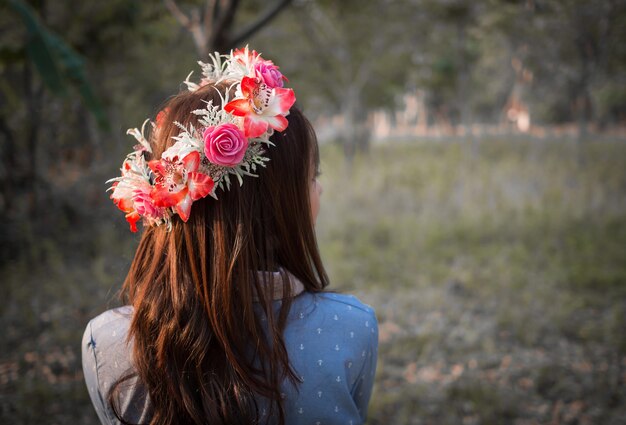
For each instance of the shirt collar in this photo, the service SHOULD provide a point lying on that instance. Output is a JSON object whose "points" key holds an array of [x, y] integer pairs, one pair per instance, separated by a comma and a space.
{"points": [[281, 279]]}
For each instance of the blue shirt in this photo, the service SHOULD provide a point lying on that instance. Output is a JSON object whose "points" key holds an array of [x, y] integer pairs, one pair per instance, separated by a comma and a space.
{"points": [[332, 341]]}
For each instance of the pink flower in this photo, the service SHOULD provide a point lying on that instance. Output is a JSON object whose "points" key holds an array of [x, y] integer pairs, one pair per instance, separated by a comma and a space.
{"points": [[178, 184], [144, 204], [261, 106], [269, 73], [224, 144]]}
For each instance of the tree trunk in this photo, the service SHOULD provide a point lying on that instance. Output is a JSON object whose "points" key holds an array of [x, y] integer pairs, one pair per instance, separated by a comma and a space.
{"points": [[583, 101], [350, 121], [582, 106], [212, 28], [7, 181], [33, 106], [363, 130], [463, 80]]}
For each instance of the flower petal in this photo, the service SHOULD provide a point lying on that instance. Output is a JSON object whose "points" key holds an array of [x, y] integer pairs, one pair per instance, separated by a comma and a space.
{"points": [[164, 198], [124, 204], [200, 185], [278, 122], [238, 107], [281, 101], [191, 161], [177, 150], [254, 125], [132, 218], [121, 197], [183, 208], [157, 166], [248, 85]]}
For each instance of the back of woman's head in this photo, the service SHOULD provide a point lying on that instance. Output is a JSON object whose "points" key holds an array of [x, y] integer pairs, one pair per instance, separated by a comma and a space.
{"points": [[199, 348]]}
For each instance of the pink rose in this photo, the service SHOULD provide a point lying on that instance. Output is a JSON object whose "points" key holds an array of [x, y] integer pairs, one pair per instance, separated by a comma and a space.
{"points": [[224, 144], [269, 73]]}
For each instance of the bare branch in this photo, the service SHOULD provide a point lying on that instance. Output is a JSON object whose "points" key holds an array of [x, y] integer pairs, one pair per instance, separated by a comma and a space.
{"points": [[210, 11], [178, 14], [269, 14], [332, 88], [193, 25], [211, 27], [222, 22]]}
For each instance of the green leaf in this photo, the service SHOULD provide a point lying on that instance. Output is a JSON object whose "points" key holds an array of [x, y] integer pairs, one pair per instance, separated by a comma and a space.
{"points": [[38, 51], [57, 63]]}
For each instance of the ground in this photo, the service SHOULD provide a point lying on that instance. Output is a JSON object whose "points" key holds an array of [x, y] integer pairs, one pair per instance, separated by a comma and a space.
{"points": [[497, 270]]}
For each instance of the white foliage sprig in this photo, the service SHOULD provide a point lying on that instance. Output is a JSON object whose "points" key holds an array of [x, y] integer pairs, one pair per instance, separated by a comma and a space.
{"points": [[213, 115], [139, 136]]}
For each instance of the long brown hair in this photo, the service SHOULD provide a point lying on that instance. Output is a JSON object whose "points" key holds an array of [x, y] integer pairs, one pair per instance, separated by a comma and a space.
{"points": [[199, 348]]}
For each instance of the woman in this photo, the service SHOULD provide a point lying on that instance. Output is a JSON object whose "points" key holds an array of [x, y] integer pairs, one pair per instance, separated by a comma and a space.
{"points": [[227, 319]]}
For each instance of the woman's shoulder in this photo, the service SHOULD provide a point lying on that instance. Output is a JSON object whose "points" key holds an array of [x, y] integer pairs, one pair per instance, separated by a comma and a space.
{"points": [[117, 315], [112, 324], [341, 314], [105, 341], [332, 342], [345, 301], [343, 307], [106, 359]]}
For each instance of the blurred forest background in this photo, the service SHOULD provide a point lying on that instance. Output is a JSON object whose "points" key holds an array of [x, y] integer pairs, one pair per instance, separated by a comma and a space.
{"points": [[474, 160]]}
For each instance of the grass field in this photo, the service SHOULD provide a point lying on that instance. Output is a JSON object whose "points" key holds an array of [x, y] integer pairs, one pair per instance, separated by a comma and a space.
{"points": [[498, 275]]}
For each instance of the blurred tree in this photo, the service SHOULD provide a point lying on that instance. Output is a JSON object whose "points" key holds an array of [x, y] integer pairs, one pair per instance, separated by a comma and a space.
{"points": [[483, 61], [506, 31], [451, 54], [51, 147], [56, 62], [581, 47], [57, 67], [212, 25], [356, 58], [562, 61], [460, 16]]}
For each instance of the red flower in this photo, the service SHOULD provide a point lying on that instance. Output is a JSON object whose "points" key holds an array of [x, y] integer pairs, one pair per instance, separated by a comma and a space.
{"points": [[261, 106], [178, 184], [132, 218], [121, 200], [131, 215]]}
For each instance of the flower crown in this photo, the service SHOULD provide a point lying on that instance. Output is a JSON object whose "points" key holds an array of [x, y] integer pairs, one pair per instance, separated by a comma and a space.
{"points": [[231, 140]]}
